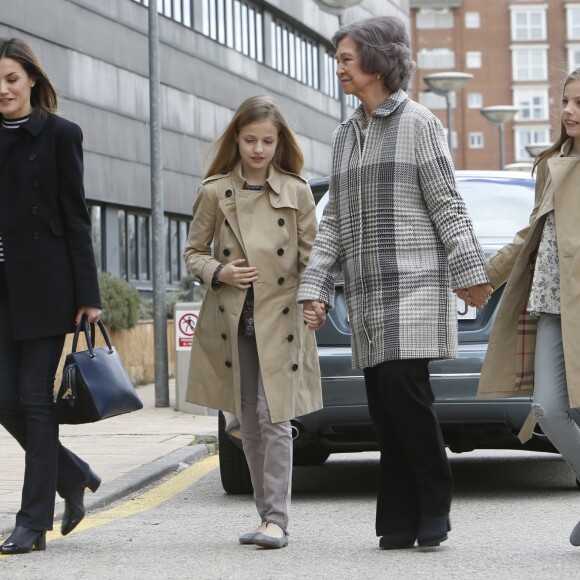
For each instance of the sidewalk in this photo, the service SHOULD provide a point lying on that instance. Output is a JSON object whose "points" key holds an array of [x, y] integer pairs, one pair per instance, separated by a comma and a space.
{"points": [[127, 452]]}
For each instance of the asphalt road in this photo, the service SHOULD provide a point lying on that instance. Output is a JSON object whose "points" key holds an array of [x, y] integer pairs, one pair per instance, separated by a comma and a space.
{"points": [[511, 519]]}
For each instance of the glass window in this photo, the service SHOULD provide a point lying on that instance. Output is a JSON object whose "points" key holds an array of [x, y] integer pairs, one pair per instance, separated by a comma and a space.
{"points": [[526, 136], [436, 58], [472, 20], [96, 213], [528, 24], [573, 58], [144, 253], [473, 59], [533, 104], [573, 22], [530, 64], [476, 140], [430, 18], [122, 220], [474, 100], [132, 246]]}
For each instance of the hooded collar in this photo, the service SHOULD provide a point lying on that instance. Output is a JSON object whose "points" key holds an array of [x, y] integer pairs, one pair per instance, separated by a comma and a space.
{"points": [[273, 180]]}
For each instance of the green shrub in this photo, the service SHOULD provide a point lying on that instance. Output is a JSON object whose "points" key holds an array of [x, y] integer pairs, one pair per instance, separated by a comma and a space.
{"points": [[121, 302]]}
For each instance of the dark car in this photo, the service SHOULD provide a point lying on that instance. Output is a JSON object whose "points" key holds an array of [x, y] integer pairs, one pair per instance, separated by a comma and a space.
{"points": [[499, 204]]}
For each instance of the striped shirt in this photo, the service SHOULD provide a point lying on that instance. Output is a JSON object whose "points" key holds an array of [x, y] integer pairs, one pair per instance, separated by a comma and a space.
{"points": [[11, 124]]}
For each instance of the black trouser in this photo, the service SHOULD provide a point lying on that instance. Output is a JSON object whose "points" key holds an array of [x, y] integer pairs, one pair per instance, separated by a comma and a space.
{"points": [[27, 370], [415, 477]]}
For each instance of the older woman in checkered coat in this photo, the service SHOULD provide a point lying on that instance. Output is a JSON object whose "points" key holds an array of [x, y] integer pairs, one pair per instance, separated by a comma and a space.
{"points": [[397, 228]]}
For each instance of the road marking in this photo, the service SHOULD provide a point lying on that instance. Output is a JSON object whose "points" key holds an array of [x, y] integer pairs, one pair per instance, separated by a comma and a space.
{"points": [[150, 499]]}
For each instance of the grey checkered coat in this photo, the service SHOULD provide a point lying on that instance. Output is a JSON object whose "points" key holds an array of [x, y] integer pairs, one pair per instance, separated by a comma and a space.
{"points": [[397, 227]]}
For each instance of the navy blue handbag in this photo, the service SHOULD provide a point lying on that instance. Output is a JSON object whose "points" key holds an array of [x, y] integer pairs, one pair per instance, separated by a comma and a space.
{"points": [[95, 384]]}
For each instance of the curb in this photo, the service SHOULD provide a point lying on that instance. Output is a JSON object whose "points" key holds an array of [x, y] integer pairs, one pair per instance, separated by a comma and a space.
{"points": [[133, 481]]}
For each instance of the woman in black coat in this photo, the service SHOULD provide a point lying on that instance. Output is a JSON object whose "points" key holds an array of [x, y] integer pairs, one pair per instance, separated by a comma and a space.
{"points": [[48, 280]]}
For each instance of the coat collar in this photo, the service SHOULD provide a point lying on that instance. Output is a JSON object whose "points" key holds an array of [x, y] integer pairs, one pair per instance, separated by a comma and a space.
{"points": [[274, 179], [384, 109], [36, 123], [566, 147]]}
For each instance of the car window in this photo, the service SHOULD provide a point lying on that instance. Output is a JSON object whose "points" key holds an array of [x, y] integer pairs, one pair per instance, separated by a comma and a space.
{"points": [[498, 207]]}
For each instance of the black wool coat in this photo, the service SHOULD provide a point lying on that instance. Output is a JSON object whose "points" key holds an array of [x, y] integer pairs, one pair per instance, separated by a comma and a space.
{"points": [[45, 227]]}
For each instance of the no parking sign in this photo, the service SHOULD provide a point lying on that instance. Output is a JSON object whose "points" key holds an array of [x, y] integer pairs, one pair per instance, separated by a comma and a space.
{"points": [[185, 321]]}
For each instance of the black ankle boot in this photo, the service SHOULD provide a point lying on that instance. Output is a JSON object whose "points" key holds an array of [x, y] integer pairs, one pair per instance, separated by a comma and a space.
{"points": [[23, 540], [433, 530], [398, 541], [74, 504]]}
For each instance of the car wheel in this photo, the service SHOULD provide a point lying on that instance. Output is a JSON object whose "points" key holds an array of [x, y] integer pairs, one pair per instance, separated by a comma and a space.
{"points": [[234, 471], [310, 456]]}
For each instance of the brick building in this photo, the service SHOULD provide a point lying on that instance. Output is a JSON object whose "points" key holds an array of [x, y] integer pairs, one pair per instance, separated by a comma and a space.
{"points": [[518, 52]]}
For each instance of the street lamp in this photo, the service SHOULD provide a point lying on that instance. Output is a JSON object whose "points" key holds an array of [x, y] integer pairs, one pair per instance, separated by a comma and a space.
{"points": [[499, 115], [337, 7], [534, 149], [444, 84]]}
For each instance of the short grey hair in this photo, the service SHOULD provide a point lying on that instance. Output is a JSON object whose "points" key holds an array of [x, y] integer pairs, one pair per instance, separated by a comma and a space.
{"points": [[384, 48]]}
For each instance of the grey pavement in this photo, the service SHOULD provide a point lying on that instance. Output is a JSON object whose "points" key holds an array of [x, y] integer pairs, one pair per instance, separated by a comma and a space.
{"points": [[127, 452]]}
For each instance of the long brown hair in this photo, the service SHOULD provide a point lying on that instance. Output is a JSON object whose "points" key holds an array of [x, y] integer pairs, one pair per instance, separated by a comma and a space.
{"points": [[573, 76], [42, 95], [226, 155]]}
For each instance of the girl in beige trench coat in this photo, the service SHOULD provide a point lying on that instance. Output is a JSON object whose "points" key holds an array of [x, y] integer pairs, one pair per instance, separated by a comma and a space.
{"points": [[252, 354], [535, 342]]}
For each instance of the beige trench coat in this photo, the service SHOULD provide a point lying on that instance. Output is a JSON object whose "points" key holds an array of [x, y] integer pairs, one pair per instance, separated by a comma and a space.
{"points": [[509, 363], [273, 230]]}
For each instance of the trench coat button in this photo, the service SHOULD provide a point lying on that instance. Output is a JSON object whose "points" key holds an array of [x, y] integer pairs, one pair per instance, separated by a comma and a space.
{"points": [[228, 193], [286, 310], [226, 252], [228, 364], [224, 336], [281, 280], [227, 223], [34, 210], [35, 236], [35, 183], [290, 337], [294, 367], [281, 222], [280, 252], [32, 156], [221, 308]]}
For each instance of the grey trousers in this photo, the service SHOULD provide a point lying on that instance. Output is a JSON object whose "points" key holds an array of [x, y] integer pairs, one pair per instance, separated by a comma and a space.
{"points": [[551, 403], [267, 446]]}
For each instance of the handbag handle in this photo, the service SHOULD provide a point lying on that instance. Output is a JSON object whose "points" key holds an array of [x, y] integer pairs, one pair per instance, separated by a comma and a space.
{"points": [[90, 336]]}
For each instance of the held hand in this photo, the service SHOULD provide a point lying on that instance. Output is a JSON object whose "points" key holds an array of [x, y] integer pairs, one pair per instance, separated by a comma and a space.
{"points": [[475, 295], [237, 275], [314, 314], [463, 294], [93, 314]]}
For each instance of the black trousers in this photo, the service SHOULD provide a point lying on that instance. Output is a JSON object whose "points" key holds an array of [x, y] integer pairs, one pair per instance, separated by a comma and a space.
{"points": [[27, 371], [415, 477]]}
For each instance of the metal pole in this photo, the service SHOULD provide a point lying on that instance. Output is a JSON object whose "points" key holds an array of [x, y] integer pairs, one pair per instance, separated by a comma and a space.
{"points": [[501, 147], [157, 225], [449, 123]]}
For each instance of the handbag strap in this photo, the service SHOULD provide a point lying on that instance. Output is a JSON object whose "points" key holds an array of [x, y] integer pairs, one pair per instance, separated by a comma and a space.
{"points": [[90, 336]]}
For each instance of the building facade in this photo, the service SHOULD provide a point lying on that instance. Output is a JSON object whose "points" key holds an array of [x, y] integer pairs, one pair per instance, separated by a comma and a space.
{"points": [[518, 51], [213, 55]]}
